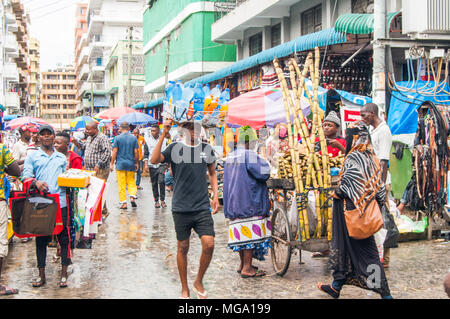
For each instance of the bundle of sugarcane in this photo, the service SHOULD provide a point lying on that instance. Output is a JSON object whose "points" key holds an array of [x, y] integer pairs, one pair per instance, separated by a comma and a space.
{"points": [[310, 170], [337, 161]]}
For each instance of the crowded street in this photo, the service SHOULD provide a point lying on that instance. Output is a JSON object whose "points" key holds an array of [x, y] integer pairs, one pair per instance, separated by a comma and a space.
{"points": [[225, 150], [134, 257]]}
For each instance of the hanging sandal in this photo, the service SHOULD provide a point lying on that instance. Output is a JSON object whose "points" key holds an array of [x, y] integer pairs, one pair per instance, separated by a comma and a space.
{"points": [[63, 282], [39, 282], [329, 290]]}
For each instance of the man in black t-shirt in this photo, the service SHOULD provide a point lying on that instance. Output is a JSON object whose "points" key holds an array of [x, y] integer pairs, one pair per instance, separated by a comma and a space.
{"points": [[190, 160]]}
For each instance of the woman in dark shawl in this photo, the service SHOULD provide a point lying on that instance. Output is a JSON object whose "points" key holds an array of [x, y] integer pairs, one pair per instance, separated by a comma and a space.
{"points": [[356, 262]]}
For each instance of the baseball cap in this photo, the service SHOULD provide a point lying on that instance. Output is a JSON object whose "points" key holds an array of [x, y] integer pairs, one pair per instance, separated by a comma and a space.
{"points": [[46, 127], [29, 127]]}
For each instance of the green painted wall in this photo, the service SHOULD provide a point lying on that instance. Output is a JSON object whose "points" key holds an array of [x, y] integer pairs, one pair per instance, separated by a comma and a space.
{"points": [[193, 44]]}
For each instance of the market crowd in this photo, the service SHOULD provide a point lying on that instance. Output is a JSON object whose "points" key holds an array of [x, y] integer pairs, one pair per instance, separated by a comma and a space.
{"points": [[184, 164]]}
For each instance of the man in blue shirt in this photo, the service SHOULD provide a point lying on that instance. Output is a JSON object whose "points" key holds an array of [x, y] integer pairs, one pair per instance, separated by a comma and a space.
{"points": [[45, 164], [125, 154]]}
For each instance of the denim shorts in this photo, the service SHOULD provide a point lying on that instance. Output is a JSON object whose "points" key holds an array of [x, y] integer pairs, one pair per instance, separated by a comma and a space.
{"points": [[202, 222]]}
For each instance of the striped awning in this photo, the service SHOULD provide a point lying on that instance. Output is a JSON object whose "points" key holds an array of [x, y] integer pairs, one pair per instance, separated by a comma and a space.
{"points": [[303, 43], [358, 23]]}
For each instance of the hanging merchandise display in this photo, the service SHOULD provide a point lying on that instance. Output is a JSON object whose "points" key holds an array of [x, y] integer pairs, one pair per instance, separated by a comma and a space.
{"points": [[196, 103], [250, 80], [427, 190]]}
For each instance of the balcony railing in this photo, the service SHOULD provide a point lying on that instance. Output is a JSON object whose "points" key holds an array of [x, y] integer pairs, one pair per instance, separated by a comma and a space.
{"points": [[221, 9]]}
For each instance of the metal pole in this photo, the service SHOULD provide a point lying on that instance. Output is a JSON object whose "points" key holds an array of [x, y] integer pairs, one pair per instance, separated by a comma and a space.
{"points": [[166, 68], [130, 61], [379, 32], [92, 90]]}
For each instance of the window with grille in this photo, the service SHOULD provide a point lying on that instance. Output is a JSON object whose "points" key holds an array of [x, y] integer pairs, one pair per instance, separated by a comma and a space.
{"points": [[312, 20], [276, 35], [255, 44]]}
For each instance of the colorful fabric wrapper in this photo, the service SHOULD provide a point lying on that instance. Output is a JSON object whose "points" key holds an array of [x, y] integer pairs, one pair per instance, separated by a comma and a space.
{"points": [[250, 233]]}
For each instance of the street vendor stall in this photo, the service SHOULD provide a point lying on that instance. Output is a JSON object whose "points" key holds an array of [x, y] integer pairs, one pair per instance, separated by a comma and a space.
{"points": [[86, 201]]}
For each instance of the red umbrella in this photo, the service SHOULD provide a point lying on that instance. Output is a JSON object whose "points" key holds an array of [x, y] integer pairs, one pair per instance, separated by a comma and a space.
{"points": [[114, 113], [13, 124]]}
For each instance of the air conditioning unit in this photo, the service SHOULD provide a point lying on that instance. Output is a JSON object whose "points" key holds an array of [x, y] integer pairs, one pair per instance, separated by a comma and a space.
{"points": [[426, 18]]}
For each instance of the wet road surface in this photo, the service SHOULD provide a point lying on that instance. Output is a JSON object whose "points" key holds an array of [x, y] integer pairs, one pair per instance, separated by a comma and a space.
{"points": [[134, 256]]}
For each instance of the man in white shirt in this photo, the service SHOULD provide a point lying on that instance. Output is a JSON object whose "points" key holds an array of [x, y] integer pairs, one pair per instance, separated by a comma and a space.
{"points": [[19, 151], [381, 137], [157, 171]]}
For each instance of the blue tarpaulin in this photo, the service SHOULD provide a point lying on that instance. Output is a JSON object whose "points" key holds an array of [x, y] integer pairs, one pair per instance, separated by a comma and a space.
{"points": [[403, 117]]}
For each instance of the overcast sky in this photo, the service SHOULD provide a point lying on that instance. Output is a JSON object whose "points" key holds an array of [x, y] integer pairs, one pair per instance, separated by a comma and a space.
{"points": [[53, 24]]}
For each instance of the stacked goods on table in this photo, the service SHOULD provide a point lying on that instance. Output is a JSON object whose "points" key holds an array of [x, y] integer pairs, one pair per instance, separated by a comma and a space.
{"points": [[75, 178], [310, 170], [196, 103]]}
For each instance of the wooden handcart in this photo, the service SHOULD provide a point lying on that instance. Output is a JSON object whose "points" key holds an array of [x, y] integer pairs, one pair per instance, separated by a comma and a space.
{"points": [[284, 234]]}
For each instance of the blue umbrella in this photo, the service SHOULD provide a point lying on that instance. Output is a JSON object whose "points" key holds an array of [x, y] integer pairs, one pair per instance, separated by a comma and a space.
{"points": [[137, 118]]}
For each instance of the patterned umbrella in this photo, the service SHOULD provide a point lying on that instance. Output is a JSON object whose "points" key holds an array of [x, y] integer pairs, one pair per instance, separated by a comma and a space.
{"points": [[80, 122], [13, 124]]}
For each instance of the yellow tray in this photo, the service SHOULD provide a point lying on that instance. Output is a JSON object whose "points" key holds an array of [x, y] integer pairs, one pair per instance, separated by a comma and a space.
{"points": [[74, 182]]}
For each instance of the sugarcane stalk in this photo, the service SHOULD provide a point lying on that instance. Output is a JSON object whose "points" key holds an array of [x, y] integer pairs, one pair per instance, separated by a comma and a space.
{"points": [[287, 106]]}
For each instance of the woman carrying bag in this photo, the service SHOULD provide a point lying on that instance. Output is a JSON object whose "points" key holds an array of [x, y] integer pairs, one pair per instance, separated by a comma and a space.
{"points": [[357, 204]]}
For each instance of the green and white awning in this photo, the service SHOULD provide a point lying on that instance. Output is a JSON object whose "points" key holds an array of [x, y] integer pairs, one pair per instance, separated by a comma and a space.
{"points": [[357, 23]]}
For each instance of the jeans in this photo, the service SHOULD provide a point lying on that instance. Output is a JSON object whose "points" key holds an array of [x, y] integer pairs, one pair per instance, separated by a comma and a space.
{"points": [[139, 173], [63, 240], [158, 183]]}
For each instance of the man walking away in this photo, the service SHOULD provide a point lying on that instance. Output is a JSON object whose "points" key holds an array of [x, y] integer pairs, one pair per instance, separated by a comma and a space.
{"points": [[125, 152], [157, 176], [97, 154], [381, 137], [141, 142], [190, 161], [10, 166], [45, 165]]}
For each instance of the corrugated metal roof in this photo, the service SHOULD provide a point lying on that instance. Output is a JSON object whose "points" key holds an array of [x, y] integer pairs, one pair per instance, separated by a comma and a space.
{"points": [[358, 23], [149, 104], [303, 43]]}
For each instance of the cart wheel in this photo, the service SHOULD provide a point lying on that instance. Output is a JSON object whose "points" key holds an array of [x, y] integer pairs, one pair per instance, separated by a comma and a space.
{"points": [[281, 239]]}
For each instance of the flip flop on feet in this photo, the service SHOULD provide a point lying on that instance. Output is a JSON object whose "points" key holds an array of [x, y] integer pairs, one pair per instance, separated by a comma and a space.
{"points": [[200, 295], [6, 291], [258, 273], [39, 282], [133, 204], [239, 270], [63, 282], [157, 205], [163, 204], [329, 290], [123, 206]]}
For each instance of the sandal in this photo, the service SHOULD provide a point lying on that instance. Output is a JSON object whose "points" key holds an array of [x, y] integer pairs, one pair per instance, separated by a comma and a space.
{"points": [[239, 271], [55, 258], [6, 291], [258, 273], [133, 204], [124, 206], [328, 290], [38, 283], [63, 282], [200, 295], [157, 205], [163, 205]]}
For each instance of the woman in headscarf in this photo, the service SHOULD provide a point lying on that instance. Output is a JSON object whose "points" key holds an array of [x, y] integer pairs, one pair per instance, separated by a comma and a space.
{"points": [[356, 262], [246, 203]]}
